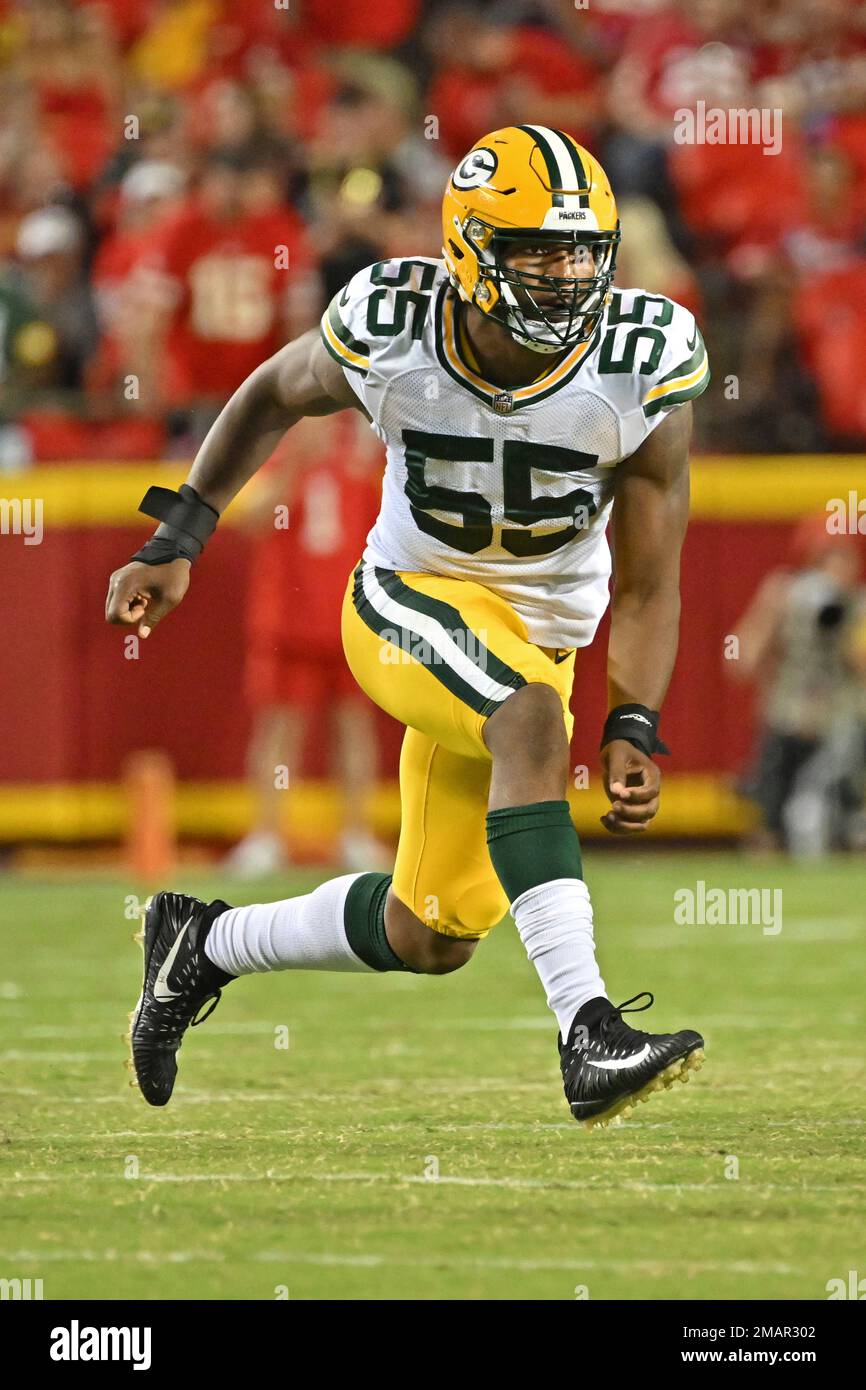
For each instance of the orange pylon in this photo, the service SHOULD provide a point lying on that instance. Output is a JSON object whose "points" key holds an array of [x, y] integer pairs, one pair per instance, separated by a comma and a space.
{"points": [[151, 840]]}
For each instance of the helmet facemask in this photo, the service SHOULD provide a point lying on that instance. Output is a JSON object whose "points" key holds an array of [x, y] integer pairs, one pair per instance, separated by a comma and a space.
{"points": [[546, 313]]}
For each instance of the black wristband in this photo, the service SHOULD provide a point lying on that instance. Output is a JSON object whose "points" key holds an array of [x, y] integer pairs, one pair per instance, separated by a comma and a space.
{"points": [[186, 523], [159, 550], [637, 725]]}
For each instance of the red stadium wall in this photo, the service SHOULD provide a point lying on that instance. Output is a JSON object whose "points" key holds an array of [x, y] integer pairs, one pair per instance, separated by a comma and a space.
{"points": [[74, 706], [89, 705]]}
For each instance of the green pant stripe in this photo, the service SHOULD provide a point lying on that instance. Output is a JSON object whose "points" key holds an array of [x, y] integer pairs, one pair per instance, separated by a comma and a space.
{"points": [[451, 619], [414, 645]]}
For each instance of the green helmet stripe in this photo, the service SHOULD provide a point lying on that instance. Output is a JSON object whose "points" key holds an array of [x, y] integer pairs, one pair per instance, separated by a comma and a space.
{"points": [[553, 174], [579, 171]]}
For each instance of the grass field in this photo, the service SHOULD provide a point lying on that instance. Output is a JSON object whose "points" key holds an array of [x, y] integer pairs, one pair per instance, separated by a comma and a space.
{"points": [[305, 1168]]}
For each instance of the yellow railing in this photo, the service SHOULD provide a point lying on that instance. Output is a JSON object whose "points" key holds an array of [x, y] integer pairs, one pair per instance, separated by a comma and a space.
{"points": [[756, 487]]}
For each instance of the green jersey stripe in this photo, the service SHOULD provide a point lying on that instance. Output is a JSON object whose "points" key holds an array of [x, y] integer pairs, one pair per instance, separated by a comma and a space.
{"points": [[343, 361], [678, 397], [343, 333], [690, 363]]}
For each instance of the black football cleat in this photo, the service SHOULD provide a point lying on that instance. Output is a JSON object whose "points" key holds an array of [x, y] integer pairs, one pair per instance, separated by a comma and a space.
{"points": [[178, 980], [607, 1067]]}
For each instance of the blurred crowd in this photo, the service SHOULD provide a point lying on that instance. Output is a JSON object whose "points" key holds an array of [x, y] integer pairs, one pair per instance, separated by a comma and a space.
{"points": [[185, 183]]}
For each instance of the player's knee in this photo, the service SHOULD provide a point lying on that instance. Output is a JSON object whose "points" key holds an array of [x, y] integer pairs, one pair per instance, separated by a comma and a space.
{"points": [[530, 724], [418, 945], [443, 954]]}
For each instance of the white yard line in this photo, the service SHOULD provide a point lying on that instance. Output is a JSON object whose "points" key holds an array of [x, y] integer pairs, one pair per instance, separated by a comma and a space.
{"points": [[115, 1055], [586, 1186], [664, 938], [300, 1134], [113, 1026], [520, 1024], [380, 1088], [16, 1258]]}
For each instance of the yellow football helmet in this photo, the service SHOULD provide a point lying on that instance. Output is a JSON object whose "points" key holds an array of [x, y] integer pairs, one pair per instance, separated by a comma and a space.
{"points": [[530, 182]]}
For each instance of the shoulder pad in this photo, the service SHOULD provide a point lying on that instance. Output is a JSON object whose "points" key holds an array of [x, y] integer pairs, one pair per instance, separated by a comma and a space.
{"points": [[386, 305], [657, 345]]}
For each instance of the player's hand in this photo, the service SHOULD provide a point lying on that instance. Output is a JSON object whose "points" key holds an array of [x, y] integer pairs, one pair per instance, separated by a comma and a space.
{"points": [[143, 594], [632, 782]]}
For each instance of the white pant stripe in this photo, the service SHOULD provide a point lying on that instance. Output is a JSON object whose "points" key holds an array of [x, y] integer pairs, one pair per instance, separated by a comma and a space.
{"points": [[432, 632]]}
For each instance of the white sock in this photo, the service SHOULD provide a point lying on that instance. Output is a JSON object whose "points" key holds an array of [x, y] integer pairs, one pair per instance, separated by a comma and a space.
{"points": [[305, 933], [554, 922]]}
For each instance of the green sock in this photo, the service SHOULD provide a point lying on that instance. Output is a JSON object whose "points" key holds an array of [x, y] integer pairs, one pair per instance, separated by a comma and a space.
{"points": [[364, 920], [530, 845]]}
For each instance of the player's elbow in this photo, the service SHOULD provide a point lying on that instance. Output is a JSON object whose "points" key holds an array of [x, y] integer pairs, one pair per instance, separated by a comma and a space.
{"points": [[648, 593]]}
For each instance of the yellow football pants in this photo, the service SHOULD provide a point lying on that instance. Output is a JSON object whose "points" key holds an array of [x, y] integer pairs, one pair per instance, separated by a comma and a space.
{"points": [[441, 655]]}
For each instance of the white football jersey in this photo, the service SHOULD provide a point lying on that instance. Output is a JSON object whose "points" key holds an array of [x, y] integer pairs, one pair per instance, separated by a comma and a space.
{"points": [[511, 488]]}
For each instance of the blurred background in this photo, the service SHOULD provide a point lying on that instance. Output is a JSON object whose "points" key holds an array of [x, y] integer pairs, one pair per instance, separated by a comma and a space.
{"points": [[183, 186]]}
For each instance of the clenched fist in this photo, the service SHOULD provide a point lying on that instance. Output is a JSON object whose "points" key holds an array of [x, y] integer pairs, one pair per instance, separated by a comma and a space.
{"points": [[632, 782], [143, 594]]}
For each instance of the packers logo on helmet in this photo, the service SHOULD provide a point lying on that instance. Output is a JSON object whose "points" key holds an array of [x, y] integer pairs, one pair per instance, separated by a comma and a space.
{"points": [[477, 168], [530, 185]]}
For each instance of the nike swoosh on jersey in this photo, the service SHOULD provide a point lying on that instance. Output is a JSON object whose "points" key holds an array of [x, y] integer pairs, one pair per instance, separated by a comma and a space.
{"points": [[619, 1063], [161, 990]]}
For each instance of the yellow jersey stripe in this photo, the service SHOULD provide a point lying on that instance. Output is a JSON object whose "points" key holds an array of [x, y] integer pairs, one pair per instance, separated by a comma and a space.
{"points": [[353, 359], [680, 383]]}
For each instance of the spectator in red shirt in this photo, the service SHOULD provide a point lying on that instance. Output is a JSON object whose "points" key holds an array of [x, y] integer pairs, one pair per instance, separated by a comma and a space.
{"points": [[693, 50], [73, 77], [492, 75], [311, 507], [149, 195], [382, 25], [228, 283]]}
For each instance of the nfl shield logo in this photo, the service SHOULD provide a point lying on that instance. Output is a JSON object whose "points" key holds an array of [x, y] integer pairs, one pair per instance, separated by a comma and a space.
{"points": [[503, 403]]}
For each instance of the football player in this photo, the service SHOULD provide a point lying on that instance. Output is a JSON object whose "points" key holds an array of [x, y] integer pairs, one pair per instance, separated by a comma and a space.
{"points": [[523, 403]]}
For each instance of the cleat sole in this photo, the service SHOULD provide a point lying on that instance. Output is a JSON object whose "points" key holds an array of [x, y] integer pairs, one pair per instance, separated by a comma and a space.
{"points": [[138, 939], [678, 1070]]}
